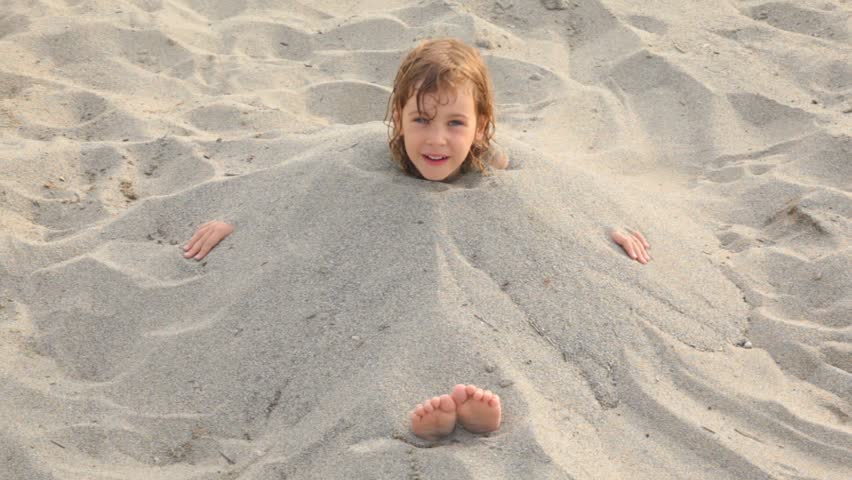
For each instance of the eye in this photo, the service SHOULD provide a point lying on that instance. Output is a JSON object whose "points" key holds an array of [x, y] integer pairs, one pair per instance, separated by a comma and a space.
{"points": [[421, 120], [456, 123]]}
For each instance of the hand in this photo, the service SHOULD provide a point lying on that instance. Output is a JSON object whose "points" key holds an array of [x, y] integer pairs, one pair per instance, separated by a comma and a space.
{"points": [[496, 158], [499, 161], [206, 237], [633, 243]]}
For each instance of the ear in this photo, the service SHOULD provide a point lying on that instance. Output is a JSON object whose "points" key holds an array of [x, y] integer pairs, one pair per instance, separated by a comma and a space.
{"points": [[396, 118]]}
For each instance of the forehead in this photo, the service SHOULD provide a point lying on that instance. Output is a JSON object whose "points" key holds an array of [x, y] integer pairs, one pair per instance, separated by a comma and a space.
{"points": [[459, 98]]}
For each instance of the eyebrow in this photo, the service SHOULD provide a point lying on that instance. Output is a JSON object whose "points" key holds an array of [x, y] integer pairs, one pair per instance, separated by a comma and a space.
{"points": [[415, 113]]}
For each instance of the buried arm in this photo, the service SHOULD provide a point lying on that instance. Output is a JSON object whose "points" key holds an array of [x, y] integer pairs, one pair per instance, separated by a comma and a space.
{"points": [[205, 238], [633, 243], [496, 158]]}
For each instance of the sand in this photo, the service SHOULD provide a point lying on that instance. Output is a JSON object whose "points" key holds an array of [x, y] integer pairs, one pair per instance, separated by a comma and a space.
{"points": [[350, 292]]}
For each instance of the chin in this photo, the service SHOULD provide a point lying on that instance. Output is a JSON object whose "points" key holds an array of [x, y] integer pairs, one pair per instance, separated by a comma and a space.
{"points": [[435, 176]]}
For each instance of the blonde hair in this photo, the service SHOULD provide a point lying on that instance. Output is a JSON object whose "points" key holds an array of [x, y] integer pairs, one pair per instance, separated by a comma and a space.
{"points": [[432, 67]]}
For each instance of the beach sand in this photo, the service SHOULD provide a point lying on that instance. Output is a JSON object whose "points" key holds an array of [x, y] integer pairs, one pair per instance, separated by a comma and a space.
{"points": [[350, 292]]}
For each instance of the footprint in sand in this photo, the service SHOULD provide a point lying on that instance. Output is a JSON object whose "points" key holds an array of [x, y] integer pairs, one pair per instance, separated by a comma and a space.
{"points": [[378, 68], [217, 9], [370, 33], [725, 175], [150, 50], [61, 109], [671, 104], [742, 168], [149, 6], [835, 77], [166, 165], [230, 116], [12, 24], [520, 82], [268, 39], [348, 102], [649, 24], [839, 355], [792, 18], [773, 120]]}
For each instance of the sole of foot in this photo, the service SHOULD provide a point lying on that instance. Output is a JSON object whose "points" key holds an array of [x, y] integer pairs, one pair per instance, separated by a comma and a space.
{"points": [[434, 418], [477, 410]]}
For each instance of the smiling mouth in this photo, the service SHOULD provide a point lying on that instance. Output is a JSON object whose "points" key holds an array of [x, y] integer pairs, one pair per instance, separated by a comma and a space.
{"points": [[435, 158]]}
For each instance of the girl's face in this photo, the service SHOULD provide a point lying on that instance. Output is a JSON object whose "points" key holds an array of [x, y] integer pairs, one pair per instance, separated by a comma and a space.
{"points": [[438, 139]]}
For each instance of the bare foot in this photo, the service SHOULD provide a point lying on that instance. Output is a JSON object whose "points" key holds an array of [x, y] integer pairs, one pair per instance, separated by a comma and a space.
{"points": [[477, 410], [434, 418]]}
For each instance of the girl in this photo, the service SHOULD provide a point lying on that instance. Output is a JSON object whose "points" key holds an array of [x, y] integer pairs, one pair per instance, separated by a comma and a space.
{"points": [[441, 122]]}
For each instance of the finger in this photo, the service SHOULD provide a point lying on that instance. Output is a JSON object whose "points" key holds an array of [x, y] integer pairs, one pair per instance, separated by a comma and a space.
{"points": [[638, 250], [198, 234], [192, 249], [638, 234], [645, 254], [629, 248], [634, 248], [192, 240], [209, 242], [198, 245], [195, 246], [642, 255]]}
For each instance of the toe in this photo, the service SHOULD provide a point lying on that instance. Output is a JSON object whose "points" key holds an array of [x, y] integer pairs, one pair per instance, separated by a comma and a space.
{"points": [[419, 410], [447, 404], [487, 396], [427, 406], [459, 394], [495, 402], [477, 395], [470, 390], [436, 402]]}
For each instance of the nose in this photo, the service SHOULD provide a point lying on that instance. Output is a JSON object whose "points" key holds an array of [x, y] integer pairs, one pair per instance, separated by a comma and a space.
{"points": [[436, 135]]}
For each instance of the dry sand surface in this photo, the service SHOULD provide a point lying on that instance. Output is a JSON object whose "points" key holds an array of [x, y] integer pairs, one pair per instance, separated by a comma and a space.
{"points": [[350, 292]]}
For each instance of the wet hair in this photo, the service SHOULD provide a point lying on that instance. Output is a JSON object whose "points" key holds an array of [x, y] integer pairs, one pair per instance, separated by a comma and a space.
{"points": [[433, 67]]}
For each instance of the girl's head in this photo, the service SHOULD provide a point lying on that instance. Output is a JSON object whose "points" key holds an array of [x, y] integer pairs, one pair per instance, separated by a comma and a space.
{"points": [[441, 111]]}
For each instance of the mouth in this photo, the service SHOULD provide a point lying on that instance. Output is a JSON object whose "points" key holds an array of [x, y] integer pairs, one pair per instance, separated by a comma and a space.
{"points": [[435, 159]]}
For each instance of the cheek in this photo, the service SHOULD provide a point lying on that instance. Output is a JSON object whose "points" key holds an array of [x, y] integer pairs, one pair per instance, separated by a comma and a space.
{"points": [[410, 144], [409, 137], [464, 138]]}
